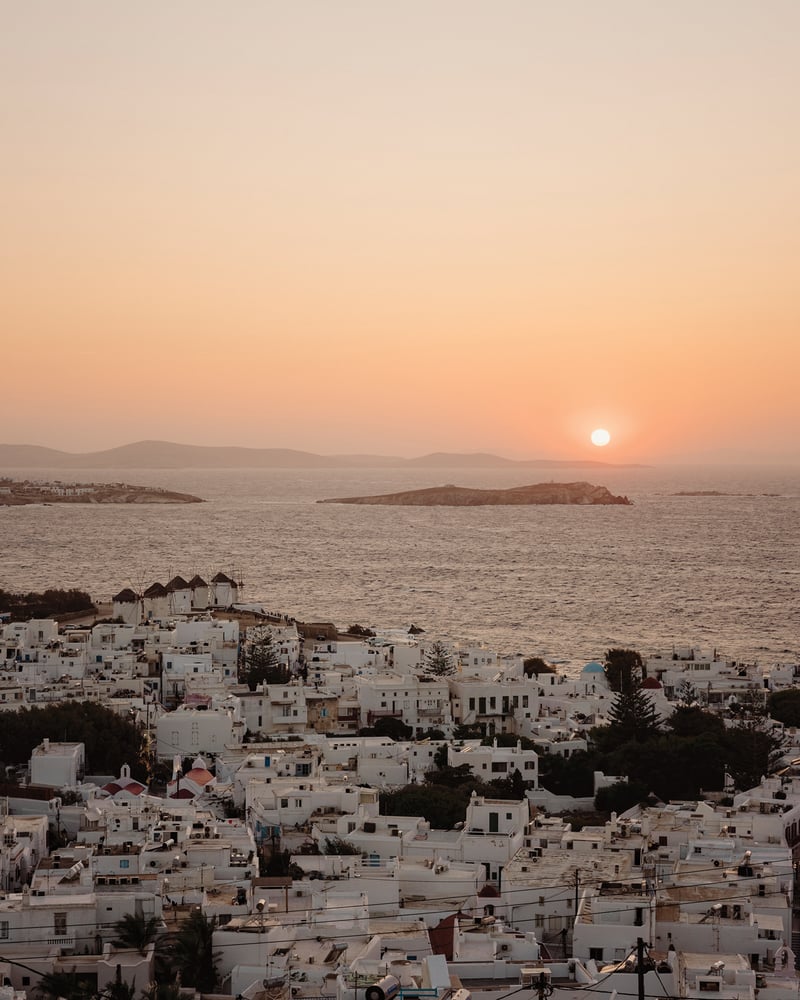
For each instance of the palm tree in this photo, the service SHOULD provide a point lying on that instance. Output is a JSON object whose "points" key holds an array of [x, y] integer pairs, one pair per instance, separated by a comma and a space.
{"points": [[136, 931], [64, 986], [118, 990], [161, 991], [193, 952]]}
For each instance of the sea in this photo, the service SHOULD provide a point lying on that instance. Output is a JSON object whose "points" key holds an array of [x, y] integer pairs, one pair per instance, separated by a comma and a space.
{"points": [[714, 572]]}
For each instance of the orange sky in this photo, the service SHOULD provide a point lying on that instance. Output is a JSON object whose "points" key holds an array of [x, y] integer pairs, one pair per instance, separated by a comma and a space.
{"points": [[401, 227]]}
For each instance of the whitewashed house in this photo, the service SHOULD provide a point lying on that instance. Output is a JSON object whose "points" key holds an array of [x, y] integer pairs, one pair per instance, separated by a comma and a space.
{"points": [[188, 732], [58, 765], [491, 762]]}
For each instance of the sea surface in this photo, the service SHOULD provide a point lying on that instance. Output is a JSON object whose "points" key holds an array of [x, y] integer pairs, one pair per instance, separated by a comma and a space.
{"points": [[714, 572]]}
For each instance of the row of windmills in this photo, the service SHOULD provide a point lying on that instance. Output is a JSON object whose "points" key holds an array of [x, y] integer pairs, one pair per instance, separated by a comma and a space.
{"points": [[178, 597]]}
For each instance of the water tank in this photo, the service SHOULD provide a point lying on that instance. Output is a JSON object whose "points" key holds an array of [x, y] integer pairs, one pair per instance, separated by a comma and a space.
{"points": [[383, 989]]}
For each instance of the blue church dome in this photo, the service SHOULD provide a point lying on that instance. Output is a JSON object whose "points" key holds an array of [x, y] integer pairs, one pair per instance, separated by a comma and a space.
{"points": [[593, 667]]}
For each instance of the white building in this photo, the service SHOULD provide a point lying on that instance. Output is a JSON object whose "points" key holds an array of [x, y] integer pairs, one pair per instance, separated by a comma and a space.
{"points": [[58, 765]]}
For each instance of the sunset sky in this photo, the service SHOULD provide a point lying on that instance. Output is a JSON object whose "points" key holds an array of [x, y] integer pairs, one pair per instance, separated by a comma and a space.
{"points": [[403, 227]]}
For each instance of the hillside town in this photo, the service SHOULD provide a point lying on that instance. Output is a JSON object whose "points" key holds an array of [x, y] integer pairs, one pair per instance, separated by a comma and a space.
{"points": [[250, 849]]}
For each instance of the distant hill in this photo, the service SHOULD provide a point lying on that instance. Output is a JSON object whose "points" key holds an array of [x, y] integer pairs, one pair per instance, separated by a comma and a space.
{"points": [[583, 494], [168, 455]]}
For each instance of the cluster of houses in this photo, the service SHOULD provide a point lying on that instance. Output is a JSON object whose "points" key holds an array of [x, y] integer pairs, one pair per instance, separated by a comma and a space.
{"points": [[678, 899]]}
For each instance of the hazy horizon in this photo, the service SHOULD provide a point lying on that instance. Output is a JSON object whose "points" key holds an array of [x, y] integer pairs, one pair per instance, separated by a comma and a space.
{"points": [[597, 458], [397, 229]]}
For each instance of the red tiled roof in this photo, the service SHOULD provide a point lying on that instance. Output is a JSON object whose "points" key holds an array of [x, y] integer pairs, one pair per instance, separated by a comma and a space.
{"points": [[199, 775]]}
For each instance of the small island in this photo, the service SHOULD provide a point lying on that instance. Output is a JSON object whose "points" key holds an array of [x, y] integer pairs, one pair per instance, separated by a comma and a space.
{"points": [[17, 493], [582, 494]]}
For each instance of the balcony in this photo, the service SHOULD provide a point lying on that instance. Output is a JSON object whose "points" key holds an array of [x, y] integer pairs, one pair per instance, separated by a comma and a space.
{"points": [[64, 941], [372, 716]]}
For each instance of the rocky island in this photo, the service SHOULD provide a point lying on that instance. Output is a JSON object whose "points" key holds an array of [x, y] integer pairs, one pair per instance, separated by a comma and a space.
{"points": [[584, 494], [15, 493]]}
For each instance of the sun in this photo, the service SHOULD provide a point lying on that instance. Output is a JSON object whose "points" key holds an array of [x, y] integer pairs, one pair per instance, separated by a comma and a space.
{"points": [[600, 437]]}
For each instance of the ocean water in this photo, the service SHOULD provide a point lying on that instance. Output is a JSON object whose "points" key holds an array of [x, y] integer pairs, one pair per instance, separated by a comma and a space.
{"points": [[718, 572]]}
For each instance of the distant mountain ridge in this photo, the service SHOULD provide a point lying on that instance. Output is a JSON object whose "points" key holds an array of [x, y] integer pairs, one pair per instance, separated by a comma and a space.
{"points": [[169, 455]]}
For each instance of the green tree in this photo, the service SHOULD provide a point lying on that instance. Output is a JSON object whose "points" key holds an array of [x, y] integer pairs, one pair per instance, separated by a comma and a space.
{"points": [[338, 845], [624, 669], [450, 776], [691, 720], [687, 693], [573, 775], [192, 952], [162, 991], [441, 805], [619, 796], [118, 989], [439, 660], [632, 718], [432, 734], [394, 728], [532, 666], [262, 663], [66, 985], [754, 744], [109, 739], [785, 706], [51, 603], [136, 931], [359, 630]]}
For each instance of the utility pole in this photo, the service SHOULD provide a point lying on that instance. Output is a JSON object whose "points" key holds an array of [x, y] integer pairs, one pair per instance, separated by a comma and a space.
{"points": [[576, 876], [640, 966], [543, 987]]}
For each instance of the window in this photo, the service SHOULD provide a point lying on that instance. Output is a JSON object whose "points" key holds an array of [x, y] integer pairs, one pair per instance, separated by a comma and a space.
{"points": [[3, 930], [59, 924], [124, 863], [499, 767], [284, 803], [472, 704], [538, 920], [596, 954]]}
